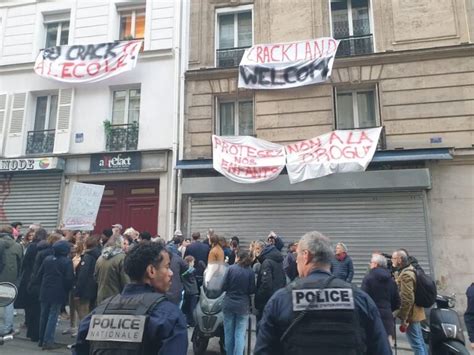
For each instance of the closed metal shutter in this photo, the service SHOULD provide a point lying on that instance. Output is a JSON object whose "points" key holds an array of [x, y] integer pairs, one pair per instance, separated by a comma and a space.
{"points": [[365, 222], [32, 198]]}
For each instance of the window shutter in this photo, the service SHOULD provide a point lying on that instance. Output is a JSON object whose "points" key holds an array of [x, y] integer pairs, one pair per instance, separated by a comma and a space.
{"points": [[63, 122], [17, 113], [3, 118], [64, 109]]}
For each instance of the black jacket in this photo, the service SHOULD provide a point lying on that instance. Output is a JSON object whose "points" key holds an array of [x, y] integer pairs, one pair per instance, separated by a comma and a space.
{"points": [[200, 252], [381, 287], [27, 268], [56, 275], [86, 286], [271, 276], [44, 249]]}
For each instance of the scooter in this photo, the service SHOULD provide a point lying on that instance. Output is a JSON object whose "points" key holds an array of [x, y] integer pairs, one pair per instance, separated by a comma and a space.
{"points": [[208, 315], [8, 293], [442, 331]]}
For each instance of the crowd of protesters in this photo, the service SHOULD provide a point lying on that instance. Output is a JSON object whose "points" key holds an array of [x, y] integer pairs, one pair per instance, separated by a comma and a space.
{"points": [[81, 270]]}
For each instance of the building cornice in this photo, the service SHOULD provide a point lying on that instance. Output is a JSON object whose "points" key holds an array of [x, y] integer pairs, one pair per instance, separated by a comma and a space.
{"points": [[413, 55], [28, 66]]}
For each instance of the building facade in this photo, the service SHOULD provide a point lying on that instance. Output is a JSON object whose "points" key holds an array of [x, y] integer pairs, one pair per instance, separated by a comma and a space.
{"points": [[405, 65], [120, 132]]}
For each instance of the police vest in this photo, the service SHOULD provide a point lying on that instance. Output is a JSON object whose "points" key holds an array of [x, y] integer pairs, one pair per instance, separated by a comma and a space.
{"points": [[119, 323], [325, 321]]}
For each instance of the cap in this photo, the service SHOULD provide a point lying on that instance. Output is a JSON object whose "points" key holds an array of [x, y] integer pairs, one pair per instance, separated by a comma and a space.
{"points": [[117, 225], [177, 232]]}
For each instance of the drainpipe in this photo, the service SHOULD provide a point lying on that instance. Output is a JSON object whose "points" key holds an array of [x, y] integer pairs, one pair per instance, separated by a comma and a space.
{"points": [[184, 66], [179, 58]]}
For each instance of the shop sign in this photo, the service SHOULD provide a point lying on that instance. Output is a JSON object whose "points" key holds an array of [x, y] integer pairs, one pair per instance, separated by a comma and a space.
{"points": [[31, 164], [87, 63], [246, 159], [287, 65], [115, 163]]}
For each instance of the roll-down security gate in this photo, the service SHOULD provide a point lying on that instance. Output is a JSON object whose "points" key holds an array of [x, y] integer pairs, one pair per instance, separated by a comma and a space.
{"points": [[365, 221]]}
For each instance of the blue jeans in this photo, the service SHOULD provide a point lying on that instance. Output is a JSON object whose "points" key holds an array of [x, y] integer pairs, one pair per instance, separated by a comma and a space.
{"points": [[415, 338], [48, 320], [234, 332], [7, 320]]}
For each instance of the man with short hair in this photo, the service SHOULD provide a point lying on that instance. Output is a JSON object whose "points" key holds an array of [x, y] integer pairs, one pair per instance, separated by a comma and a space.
{"points": [[289, 263], [409, 313], [11, 255], [319, 311], [148, 266], [200, 252]]}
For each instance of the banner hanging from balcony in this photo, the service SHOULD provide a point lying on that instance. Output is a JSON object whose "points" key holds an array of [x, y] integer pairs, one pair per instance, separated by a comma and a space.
{"points": [[287, 65], [246, 159], [87, 63], [333, 152]]}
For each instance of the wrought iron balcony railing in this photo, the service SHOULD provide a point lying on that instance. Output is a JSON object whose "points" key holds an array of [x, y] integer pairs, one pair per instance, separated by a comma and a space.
{"points": [[230, 57], [40, 142], [121, 137], [355, 45]]}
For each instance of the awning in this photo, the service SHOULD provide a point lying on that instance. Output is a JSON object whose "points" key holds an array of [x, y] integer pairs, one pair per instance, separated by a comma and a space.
{"points": [[381, 156]]}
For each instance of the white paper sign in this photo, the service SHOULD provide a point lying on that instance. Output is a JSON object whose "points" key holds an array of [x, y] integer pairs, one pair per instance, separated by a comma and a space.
{"points": [[246, 159], [339, 151], [83, 206], [87, 63], [287, 65]]}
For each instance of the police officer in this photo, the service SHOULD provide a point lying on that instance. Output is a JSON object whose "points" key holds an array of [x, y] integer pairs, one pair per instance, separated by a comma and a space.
{"points": [[319, 314], [140, 320]]}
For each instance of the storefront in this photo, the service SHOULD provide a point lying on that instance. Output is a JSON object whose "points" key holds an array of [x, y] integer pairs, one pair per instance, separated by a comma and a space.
{"points": [[136, 188], [30, 191], [379, 210]]}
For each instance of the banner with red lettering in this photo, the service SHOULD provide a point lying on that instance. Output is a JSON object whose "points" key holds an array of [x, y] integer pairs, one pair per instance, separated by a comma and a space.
{"points": [[287, 65], [87, 63], [246, 159], [333, 152]]}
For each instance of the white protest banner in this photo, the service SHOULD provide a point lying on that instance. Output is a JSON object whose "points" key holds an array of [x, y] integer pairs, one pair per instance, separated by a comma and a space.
{"points": [[247, 159], [287, 65], [83, 205], [87, 63], [333, 152]]}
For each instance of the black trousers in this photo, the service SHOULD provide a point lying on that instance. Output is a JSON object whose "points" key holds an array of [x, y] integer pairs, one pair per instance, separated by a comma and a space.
{"points": [[32, 320], [189, 303]]}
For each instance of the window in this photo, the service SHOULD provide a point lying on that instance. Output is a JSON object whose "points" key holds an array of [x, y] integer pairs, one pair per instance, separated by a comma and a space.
{"points": [[132, 24], [356, 109], [234, 35], [235, 118], [57, 34], [46, 112], [126, 106], [351, 24]]}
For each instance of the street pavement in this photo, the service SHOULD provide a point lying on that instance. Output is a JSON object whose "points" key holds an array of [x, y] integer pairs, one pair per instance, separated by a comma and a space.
{"points": [[23, 346]]}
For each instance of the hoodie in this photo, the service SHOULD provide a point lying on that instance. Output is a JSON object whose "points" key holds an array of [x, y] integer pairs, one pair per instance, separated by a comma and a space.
{"points": [[56, 274], [271, 276], [11, 254]]}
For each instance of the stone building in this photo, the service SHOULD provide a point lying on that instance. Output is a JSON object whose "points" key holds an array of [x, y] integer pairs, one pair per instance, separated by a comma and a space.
{"points": [[119, 132], [405, 65]]}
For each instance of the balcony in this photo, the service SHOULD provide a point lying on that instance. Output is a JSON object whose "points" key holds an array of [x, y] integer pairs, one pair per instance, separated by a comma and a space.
{"points": [[355, 45], [40, 142], [229, 57], [121, 137]]}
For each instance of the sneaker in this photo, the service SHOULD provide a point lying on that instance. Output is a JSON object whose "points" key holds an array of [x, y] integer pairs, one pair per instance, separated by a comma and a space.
{"points": [[74, 334], [53, 346], [67, 331]]}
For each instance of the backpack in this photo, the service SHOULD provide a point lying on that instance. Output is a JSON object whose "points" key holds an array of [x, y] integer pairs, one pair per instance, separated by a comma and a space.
{"points": [[118, 326], [425, 289], [330, 330]]}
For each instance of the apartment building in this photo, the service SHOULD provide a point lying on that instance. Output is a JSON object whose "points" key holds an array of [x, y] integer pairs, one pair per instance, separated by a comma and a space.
{"points": [[405, 65], [118, 132]]}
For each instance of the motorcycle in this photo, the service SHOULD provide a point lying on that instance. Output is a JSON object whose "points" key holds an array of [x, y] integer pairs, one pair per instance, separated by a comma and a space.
{"points": [[442, 330], [8, 293], [208, 314]]}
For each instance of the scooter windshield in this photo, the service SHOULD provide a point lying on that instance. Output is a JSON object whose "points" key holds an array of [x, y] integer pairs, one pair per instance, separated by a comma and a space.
{"points": [[214, 277]]}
